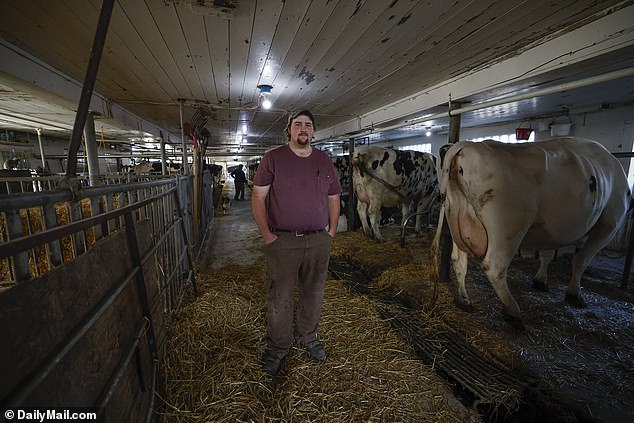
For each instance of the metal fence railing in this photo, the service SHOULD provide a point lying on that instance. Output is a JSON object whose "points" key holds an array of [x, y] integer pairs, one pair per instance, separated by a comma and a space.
{"points": [[42, 230]]}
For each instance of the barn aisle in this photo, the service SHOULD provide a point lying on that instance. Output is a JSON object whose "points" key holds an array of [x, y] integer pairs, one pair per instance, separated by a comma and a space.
{"points": [[235, 237], [212, 363]]}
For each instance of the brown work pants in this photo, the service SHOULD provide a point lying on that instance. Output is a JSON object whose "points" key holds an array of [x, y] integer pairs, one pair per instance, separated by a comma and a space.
{"points": [[291, 259]]}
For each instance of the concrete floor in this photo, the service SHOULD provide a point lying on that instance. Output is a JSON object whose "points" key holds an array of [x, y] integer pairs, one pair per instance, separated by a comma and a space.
{"points": [[234, 237]]}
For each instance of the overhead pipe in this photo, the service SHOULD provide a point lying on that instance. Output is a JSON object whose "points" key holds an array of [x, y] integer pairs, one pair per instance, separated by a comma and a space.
{"points": [[584, 82], [89, 84]]}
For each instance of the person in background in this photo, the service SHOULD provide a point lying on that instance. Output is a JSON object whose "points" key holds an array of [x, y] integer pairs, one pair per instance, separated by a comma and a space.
{"points": [[240, 179], [303, 197]]}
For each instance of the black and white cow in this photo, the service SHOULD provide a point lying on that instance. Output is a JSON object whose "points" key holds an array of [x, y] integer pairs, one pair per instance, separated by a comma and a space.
{"points": [[342, 168], [383, 177], [540, 196]]}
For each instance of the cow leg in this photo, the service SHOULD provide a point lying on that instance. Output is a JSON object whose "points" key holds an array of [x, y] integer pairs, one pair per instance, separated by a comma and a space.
{"points": [[435, 244], [540, 281], [419, 217], [598, 237], [459, 262], [362, 210], [404, 212], [494, 266], [374, 212]]}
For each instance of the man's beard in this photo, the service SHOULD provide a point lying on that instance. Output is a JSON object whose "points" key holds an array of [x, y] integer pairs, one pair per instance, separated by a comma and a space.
{"points": [[303, 139]]}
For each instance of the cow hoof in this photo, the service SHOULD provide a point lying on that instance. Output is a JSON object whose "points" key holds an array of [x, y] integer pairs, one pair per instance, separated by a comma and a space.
{"points": [[515, 322], [465, 307], [540, 286], [575, 301]]}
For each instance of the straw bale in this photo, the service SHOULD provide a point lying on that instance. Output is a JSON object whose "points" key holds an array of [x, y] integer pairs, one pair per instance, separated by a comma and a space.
{"points": [[63, 218], [213, 371], [33, 222]]}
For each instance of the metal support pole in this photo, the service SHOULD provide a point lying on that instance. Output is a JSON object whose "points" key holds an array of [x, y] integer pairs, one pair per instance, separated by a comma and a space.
{"points": [[628, 258], [446, 242], [91, 150], [181, 103], [350, 211], [39, 140], [89, 84], [163, 155]]}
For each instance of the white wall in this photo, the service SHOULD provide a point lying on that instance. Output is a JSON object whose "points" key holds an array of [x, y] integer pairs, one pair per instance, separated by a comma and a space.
{"points": [[612, 128]]}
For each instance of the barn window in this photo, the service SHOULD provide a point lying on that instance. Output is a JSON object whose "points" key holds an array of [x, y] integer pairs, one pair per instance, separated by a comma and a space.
{"points": [[423, 148], [507, 138]]}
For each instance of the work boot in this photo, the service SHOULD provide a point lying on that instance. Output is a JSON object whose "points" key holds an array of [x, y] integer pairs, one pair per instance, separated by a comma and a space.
{"points": [[272, 362], [316, 350]]}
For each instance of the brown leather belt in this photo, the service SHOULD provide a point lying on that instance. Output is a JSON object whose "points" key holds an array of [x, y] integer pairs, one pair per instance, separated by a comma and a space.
{"points": [[298, 233]]}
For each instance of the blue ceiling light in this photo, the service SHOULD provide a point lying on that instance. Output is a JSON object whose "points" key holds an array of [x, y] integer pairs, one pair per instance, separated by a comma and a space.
{"points": [[265, 93]]}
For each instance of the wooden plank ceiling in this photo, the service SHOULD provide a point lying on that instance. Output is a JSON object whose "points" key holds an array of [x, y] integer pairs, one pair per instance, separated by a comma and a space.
{"points": [[340, 58]]}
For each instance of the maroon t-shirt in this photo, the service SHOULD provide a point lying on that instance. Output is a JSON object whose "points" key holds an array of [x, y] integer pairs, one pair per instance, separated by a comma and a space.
{"points": [[300, 186]]}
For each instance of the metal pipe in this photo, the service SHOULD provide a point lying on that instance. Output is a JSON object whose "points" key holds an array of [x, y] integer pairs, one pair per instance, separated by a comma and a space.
{"points": [[446, 241], [592, 80], [181, 102], [12, 247], [351, 208], [627, 267], [163, 154], [584, 82], [91, 150], [89, 84], [39, 140]]}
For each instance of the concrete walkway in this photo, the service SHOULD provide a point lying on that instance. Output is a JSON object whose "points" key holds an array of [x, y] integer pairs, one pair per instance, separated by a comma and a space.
{"points": [[234, 237]]}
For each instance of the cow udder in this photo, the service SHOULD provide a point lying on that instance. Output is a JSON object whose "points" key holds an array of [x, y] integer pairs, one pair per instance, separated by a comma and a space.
{"points": [[466, 229]]}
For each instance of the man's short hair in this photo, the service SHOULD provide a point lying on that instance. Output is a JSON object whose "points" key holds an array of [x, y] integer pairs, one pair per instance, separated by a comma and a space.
{"points": [[292, 117]]}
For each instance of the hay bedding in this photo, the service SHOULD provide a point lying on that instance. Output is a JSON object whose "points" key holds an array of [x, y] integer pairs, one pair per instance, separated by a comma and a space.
{"points": [[409, 270], [584, 355], [213, 371]]}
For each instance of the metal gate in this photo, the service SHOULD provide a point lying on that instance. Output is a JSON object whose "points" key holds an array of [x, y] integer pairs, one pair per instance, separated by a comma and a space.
{"points": [[90, 277]]}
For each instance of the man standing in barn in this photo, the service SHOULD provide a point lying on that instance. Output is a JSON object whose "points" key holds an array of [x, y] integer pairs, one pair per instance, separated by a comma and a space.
{"points": [[303, 197], [240, 179]]}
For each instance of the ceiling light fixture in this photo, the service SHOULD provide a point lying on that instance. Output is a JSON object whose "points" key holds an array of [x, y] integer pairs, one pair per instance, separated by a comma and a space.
{"points": [[265, 93]]}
